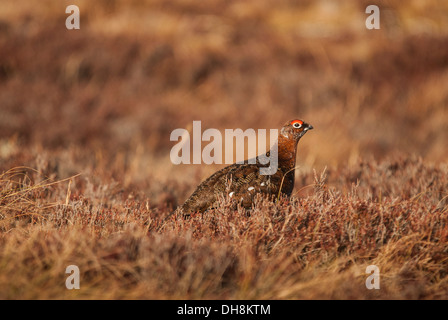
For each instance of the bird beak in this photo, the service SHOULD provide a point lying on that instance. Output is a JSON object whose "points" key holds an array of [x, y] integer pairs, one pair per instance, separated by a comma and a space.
{"points": [[310, 127]]}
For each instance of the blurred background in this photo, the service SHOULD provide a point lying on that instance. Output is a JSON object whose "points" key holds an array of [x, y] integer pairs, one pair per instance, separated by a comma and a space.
{"points": [[104, 99]]}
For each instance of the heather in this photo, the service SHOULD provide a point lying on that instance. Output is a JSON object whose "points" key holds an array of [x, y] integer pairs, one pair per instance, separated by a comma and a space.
{"points": [[86, 177]]}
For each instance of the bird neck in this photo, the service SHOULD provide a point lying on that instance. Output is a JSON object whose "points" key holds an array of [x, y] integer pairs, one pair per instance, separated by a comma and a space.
{"points": [[287, 151]]}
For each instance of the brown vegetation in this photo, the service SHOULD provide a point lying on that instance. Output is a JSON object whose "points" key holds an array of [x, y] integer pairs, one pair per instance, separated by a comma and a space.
{"points": [[85, 174]]}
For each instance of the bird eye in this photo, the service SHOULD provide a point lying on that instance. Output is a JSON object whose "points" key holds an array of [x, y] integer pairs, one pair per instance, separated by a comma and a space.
{"points": [[297, 125]]}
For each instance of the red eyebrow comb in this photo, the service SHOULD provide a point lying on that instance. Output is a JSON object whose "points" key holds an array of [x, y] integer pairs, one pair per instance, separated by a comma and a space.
{"points": [[296, 121]]}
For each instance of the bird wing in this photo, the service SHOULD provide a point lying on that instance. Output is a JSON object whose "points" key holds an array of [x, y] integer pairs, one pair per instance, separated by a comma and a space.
{"points": [[238, 181]]}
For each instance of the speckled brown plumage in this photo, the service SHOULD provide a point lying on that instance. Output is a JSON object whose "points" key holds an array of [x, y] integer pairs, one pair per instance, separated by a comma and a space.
{"points": [[243, 181]]}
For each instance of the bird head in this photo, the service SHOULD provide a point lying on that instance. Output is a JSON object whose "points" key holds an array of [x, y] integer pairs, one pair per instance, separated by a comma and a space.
{"points": [[295, 129]]}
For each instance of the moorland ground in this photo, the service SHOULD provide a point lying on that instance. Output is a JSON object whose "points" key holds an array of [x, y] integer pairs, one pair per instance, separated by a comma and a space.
{"points": [[86, 178]]}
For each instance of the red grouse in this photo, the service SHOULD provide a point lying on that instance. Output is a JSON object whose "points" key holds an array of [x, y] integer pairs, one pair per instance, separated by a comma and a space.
{"points": [[242, 181]]}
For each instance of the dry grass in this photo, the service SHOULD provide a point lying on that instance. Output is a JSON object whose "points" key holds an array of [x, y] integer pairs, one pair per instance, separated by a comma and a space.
{"points": [[314, 246], [85, 176]]}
